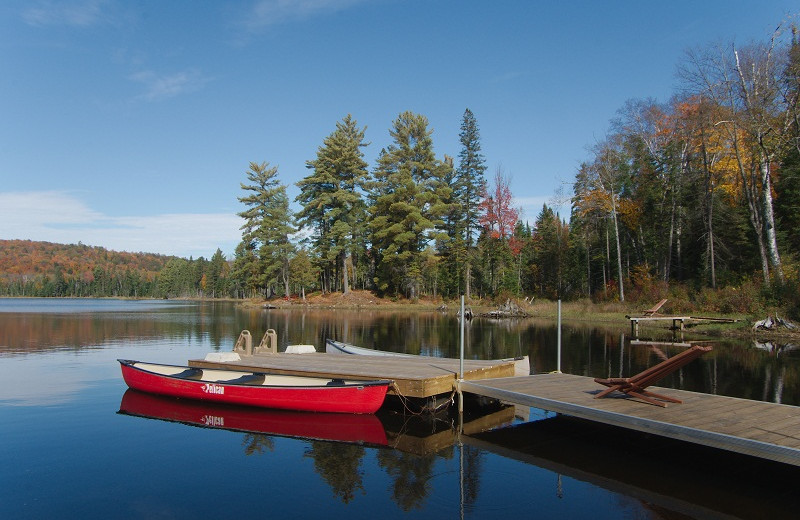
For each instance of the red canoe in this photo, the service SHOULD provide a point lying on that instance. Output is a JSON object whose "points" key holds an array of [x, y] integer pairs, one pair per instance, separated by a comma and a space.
{"points": [[308, 394], [339, 427]]}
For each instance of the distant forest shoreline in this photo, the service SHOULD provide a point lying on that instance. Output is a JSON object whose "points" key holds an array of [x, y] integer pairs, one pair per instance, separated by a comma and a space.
{"points": [[31, 269]]}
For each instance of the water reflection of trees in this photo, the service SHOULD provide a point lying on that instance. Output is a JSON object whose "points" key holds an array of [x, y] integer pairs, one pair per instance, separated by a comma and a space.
{"points": [[411, 476], [339, 465], [473, 465], [257, 444], [758, 371]]}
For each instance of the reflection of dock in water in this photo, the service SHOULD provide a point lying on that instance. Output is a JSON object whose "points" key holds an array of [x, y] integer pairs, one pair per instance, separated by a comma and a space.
{"points": [[420, 434], [664, 473], [426, 434]]}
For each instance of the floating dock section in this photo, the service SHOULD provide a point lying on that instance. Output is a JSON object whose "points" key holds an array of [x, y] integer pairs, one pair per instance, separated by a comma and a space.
{"points": [[766, 430], [419, 377]]}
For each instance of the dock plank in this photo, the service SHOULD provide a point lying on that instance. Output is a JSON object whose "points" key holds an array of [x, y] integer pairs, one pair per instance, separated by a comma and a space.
{"points": [[766, 430]]}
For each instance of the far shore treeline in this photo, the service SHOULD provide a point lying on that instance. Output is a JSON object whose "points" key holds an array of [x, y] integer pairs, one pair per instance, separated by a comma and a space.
{"points": [[696, 198]]}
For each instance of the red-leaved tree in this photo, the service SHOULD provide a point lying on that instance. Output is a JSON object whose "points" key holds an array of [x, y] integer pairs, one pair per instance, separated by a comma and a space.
{"points": [[498, 216]]}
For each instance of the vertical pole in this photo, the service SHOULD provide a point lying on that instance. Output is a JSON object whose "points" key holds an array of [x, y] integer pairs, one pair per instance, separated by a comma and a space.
{"points": [[461, 343], [558, 359], [461, 360], [461, 475]]}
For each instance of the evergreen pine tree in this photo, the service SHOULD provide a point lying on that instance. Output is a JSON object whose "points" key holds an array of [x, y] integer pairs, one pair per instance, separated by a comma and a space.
{"points": [[268, 224], [408, 197], [332, 201], [216, 274], [469, 184], [469, 180]]}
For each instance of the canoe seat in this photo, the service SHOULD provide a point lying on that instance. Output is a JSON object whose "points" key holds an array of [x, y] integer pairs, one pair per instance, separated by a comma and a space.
{"points": [[190, 373], [247, 379]]}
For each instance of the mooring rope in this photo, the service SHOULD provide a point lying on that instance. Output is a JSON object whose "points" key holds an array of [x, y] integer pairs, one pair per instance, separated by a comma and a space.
{"points": [[404, 401]]}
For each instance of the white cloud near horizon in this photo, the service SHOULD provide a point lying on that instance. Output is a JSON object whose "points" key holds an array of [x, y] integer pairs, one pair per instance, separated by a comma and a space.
{"points": [[61, 217]]}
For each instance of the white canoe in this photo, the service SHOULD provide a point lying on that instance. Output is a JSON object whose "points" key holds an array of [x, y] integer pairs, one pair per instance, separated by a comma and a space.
{"points": [[522, 365]]}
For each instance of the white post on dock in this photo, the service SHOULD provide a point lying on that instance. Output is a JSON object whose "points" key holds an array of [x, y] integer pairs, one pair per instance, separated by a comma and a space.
{"points": [[461, 343], [461, 360], [558, 358]]}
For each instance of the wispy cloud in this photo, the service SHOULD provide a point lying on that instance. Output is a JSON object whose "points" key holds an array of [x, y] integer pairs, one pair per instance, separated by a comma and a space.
{"points": [[78, 13], [507, 77], [272, 12], [164, 86], [61, 217]]}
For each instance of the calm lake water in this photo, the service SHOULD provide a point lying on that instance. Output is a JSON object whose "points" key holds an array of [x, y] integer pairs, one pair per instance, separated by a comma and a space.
{"points": [[76, 443]]}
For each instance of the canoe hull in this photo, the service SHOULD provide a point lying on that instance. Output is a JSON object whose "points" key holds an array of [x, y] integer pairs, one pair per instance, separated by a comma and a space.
{"points": [[345, 398]]}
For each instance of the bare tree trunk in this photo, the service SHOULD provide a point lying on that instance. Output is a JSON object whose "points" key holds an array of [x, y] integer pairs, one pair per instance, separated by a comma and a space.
{"points": [[345, 278], [710, 230], [608, 263], [758, 227], [769, 220], [588, 269], [678, 250], [619, 248], [708, 215], [668, 258]]}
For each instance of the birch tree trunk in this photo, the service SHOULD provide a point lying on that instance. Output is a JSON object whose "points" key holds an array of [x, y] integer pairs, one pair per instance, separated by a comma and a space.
{"points": [[769, 220]]}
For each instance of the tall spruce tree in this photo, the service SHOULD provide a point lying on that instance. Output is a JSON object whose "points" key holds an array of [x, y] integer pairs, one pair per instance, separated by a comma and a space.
{"points": [[469, 184], [469, 180], [268, 224], [332, 202], [407, 197]]}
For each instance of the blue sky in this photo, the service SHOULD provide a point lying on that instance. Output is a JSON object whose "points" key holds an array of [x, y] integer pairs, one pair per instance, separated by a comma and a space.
{"points": [[130, 125]]}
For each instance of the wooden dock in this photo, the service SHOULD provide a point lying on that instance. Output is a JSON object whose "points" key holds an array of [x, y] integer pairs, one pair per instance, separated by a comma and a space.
{"points": [[678, 322], [414, 376], [766, 430]]}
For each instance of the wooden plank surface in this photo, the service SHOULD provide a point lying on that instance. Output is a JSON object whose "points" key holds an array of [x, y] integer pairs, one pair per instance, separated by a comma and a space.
{"points": [[414, 376], [658, 318], [761, 429]]}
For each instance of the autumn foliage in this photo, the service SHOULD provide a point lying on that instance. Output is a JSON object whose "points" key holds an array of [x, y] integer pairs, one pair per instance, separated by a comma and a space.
{"points": [[29, 268], [498, 215]]}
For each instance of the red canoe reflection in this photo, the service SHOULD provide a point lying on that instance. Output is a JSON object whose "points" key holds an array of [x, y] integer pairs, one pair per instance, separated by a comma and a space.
{"points": [[340, 427]]}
